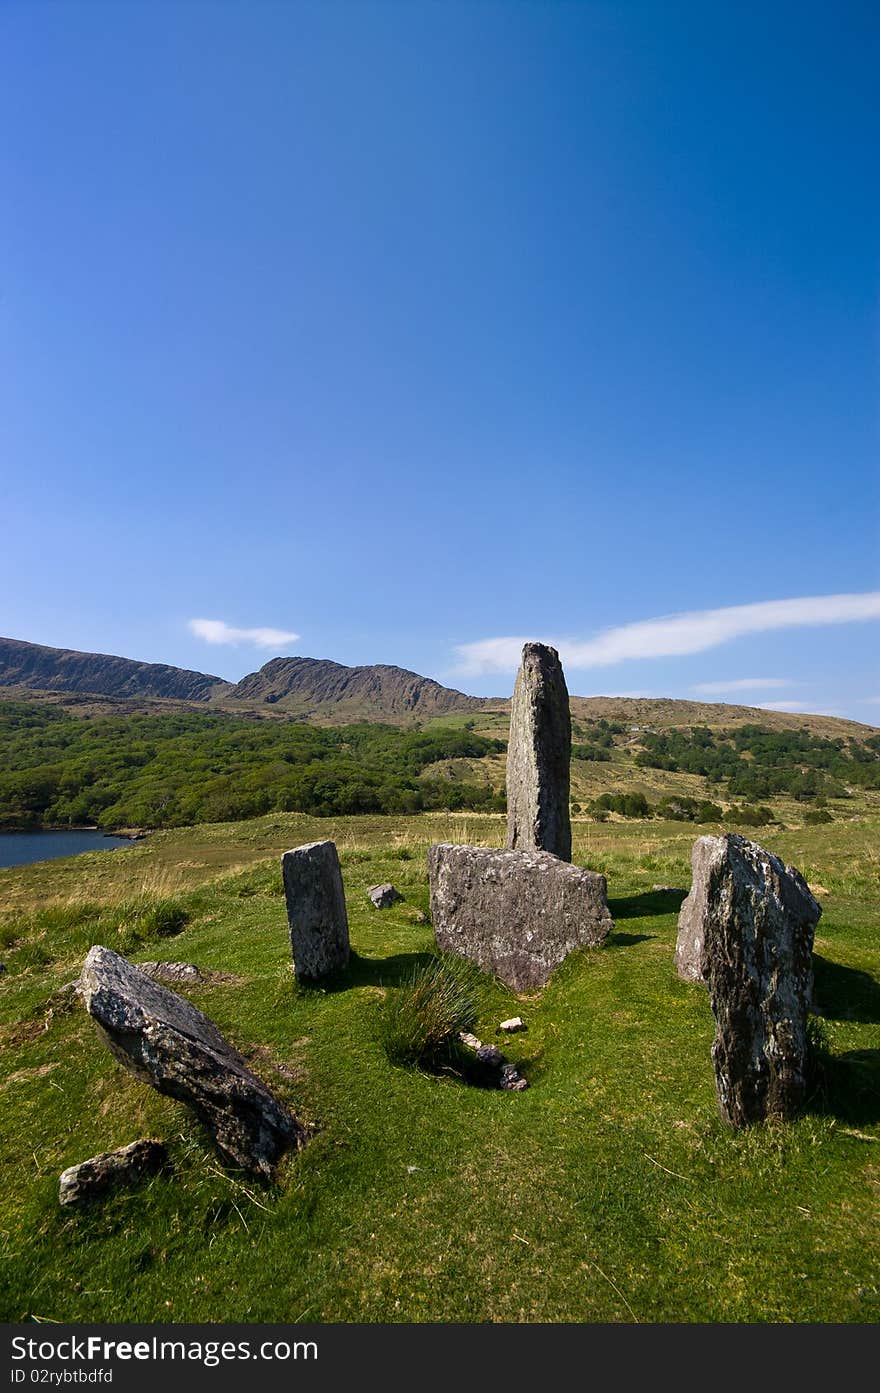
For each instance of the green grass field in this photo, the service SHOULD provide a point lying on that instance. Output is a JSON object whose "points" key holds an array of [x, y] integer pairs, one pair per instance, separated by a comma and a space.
{"points": [[609, 1191]]}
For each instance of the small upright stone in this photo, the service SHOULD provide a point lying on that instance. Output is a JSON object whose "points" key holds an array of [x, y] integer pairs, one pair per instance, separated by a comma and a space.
{"points": [[755, 919], [315, 910], [539, 756]]}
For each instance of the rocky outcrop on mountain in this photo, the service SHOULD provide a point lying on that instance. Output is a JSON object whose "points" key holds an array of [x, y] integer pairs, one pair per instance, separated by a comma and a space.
{"points": [[301, 684], [34, 666]]}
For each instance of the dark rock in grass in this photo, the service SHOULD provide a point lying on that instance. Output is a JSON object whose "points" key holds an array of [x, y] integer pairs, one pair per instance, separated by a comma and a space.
{"points": [[516, 914], [383, 896], [172, 972], [166, 1042], [510, 1080], [539, 756], [755, 919], [316, 911], [497, 1071], [126, 1166]]}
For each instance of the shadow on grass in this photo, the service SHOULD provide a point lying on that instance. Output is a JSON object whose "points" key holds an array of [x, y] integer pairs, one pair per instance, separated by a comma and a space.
{"points": [[845, 993], [647, 904], [370, 972], [850, 1087], [619, 940]]}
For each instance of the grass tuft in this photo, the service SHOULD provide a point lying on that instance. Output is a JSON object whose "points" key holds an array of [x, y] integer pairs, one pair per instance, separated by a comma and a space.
{"points": [[423, 1018]]}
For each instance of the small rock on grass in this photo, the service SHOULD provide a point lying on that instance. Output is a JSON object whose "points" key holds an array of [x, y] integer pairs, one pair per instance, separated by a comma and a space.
{"points": [[172, 972], [511, 1026], [383, 896], [125, 1166]]}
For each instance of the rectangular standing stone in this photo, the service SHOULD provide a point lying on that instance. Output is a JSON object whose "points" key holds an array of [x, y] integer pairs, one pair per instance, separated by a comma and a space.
{"points": [[316, 910], [539, 756], [516, 914]]}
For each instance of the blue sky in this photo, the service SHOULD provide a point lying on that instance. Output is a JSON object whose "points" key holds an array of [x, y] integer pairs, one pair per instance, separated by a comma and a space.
{"points": [[403, 332]]}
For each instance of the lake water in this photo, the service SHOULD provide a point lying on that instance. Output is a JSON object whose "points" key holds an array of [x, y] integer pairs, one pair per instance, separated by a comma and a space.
{"points": [[22, 848]]}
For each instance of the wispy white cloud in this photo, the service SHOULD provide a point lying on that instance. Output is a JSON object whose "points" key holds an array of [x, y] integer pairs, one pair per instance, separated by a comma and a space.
{"points": [[217, 631], [785, 706], [798, 706], [742, 684], [675, 635]]}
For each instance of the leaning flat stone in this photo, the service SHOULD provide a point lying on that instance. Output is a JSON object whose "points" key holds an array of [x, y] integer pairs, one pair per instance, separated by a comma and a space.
{"points": [[166, 1042], [383, 896], [539, 756], [126, 1166], [316, 913], [757, 924], [516, 914]]}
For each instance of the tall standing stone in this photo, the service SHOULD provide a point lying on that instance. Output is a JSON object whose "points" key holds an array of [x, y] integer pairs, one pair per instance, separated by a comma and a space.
{"points": [[539, 756], [316, 911], [757, 919]]}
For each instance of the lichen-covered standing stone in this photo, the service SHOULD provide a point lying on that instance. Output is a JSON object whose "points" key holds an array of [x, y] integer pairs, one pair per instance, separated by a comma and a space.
{"points": [[516, 914], [316, 910], [539, 756], [755, 920], [166, 1042]]}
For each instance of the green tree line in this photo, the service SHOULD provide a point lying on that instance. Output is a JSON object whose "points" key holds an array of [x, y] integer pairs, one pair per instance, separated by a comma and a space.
{"points": [[177, 769]]}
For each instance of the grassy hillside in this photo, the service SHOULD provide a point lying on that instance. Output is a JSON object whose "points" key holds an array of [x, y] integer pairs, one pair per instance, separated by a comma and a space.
{"points": [[609, 1191], [160, 769]]}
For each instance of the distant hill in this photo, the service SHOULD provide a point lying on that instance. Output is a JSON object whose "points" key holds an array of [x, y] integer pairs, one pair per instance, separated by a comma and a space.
{"points": [[323, 692], [34, 667], [317, 687]]}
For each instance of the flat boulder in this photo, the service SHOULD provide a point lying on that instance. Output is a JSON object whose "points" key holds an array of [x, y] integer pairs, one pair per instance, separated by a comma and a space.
{"points": [[749, 934], [168, 1043], [128, 1165], [316, 913], [516, 914]]}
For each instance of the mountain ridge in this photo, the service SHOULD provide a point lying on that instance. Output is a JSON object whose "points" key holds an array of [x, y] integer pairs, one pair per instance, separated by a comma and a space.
{"points": [[38, 667], [324, 691]]}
